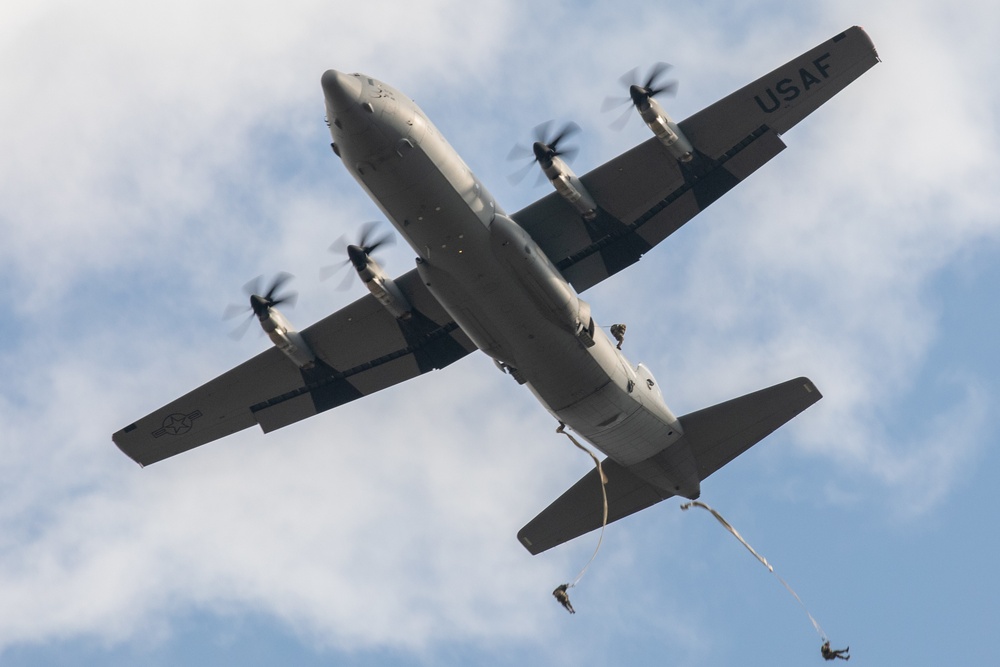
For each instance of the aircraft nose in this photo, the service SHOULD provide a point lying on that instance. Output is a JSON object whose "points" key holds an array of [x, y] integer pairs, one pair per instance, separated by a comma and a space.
{"points": [[341, 90]]}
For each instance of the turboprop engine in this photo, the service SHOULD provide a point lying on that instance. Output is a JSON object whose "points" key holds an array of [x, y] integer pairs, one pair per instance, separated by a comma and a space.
{"points": [[548, 155], [642, 98], [274, 324], [382, 287]]}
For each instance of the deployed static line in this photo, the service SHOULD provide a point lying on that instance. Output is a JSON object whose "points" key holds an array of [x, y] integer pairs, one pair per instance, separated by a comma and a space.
{"points": [[561, 592], [825, 650]]}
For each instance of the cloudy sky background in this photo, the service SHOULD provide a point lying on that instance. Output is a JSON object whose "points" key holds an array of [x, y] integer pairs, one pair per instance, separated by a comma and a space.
{"points": [[154, 159]]}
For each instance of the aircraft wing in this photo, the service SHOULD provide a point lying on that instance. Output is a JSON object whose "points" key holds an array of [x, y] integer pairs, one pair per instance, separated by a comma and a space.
{"points": [[361, 349], [645, 194]]}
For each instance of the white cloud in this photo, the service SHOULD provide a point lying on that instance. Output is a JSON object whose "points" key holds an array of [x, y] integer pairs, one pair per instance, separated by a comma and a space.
{"points": [[164, 156]]}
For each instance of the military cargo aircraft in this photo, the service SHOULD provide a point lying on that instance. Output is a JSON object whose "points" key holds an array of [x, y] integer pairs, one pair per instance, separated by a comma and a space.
{"points": [[509, 285]]}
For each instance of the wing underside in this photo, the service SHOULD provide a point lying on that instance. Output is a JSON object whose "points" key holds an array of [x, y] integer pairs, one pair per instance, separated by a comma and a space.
{"points": [[361, 349], [645, 194]]}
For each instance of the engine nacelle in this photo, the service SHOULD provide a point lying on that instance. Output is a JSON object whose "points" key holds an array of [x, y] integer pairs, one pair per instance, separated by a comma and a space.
{"points": [[389, 295], [666, 130], [382, 287], [533, 269], [287, 339], [569, 187]]}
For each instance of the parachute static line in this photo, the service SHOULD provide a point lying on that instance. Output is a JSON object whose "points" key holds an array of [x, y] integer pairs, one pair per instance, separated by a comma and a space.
{"points": [[604, 497], [762, 560], [560, 592]]}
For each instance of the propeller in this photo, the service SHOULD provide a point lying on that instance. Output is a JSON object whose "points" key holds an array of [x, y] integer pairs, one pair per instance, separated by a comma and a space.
{"points": [[260, 304], [545, 148], [357, 253], [640, 92]]}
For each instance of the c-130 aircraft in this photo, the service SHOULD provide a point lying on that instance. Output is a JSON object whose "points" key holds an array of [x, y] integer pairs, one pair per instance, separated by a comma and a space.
{"points": [[509, 285]]}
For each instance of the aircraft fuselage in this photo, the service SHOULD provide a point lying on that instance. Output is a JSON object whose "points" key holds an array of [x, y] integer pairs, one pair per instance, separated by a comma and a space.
{"points": [[498, 285]]}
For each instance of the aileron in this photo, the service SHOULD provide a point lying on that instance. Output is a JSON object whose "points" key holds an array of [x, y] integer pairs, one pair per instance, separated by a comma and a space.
{"points": [[786, 95]]}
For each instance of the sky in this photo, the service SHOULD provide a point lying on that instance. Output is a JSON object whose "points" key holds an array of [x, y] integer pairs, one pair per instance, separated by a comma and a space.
{"points": [[156, 157]]}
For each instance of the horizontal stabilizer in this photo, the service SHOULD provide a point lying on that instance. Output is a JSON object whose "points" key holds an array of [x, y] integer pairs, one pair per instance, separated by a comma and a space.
{"points": [[581, 509], [719, 434], [716, 436]]}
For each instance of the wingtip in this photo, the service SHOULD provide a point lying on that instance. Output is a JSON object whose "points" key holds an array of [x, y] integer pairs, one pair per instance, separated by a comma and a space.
{"points": [[117, 439], [810, 387], [527, 544]]}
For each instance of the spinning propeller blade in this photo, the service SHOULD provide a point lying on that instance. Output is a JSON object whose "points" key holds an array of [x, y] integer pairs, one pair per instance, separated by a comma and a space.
{"points": [[545, 147], [640, 92], [260, 305], [367, 244]]}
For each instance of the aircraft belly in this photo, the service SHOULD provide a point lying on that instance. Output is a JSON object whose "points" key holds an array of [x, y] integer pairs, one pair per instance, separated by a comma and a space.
{"points": [[503, 291], [636, 431], [506, 322], [619, 425]]}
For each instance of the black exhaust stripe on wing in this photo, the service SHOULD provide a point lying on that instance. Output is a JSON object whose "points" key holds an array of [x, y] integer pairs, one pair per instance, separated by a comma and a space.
{"points": [[330, 387], [706, 178]]}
